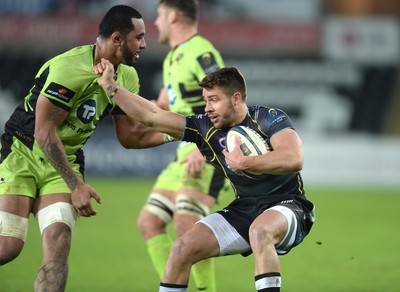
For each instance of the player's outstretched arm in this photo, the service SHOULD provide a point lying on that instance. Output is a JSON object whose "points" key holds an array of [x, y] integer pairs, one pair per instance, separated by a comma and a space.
{"points": [[140, 109]]}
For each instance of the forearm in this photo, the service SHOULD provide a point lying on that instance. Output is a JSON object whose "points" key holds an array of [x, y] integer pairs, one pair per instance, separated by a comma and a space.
{"points": [[138, 108], [273, 163], [133, 105], [148, 114], [53, 148]]}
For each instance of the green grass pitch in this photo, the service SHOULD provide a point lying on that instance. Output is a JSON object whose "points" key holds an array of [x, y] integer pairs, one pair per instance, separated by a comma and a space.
{"points": [[352, 247]]}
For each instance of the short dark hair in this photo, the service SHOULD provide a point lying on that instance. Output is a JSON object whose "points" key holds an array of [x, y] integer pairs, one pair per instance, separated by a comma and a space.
{"points": [[188, 8], [228, 79], [118, 18]]}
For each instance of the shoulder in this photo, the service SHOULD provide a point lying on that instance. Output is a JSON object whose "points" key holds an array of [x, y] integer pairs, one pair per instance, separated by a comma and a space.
{"points": [[259, 112], [269, 119], [77, 55], [200, 121], [199, 45], [128, 77]]}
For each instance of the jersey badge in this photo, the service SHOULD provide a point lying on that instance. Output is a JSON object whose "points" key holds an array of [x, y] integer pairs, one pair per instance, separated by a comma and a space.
{"points": [[60, 92], [179, 57], [87, 111], [208, 63]]}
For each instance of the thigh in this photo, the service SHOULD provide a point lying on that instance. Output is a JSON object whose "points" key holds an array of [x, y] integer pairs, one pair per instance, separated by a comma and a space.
{"points": [[228, 238], [202, 242], [19, 172], [17, 205]]}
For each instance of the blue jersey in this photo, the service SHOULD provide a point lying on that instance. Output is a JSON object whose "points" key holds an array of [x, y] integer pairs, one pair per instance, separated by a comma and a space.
{"points": [[211, 142]]}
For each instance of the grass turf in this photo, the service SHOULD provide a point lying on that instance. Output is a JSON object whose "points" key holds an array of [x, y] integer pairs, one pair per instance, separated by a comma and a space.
{"points": [[352, 247]]}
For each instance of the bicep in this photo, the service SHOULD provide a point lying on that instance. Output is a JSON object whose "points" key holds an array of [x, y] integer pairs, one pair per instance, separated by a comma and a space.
{"points": [[287, 139], [48, 117], [132, 134]]}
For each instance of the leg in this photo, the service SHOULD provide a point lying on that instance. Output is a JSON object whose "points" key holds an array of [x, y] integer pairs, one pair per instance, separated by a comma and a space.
{"points": [[190, 207], [197, 244], [152, 224], [14, 214], [56, 217], [267, 231]]}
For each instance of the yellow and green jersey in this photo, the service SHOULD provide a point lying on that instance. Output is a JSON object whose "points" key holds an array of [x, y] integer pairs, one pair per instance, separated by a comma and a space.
{"points": [[183, 68], [69, 82]]}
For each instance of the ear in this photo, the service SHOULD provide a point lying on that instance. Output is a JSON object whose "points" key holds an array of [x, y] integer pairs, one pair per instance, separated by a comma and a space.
{"points": [[172, 16], [236, 98], [117, 38]]}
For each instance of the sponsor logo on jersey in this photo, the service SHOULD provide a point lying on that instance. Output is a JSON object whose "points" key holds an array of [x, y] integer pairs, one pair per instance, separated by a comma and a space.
{"points": [[87, 111], [208, 63], [60, 92]]}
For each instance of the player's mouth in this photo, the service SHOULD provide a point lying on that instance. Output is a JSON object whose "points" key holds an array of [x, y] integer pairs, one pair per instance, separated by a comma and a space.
{"points": [[136, 56], [214, 119]]}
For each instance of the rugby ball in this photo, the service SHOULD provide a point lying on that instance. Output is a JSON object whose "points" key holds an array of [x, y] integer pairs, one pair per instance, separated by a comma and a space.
{"points": [[251, 144]]}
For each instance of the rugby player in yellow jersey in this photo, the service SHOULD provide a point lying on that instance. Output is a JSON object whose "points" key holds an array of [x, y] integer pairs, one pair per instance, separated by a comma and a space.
{"points": [[42, 161], [188, 187]]}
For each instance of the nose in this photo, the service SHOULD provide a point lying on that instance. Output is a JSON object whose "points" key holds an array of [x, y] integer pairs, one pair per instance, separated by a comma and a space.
{"points": [[207, 108]]}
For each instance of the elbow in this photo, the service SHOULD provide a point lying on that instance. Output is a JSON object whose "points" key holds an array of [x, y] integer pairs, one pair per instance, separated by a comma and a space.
{"points": [[131, 142], [297, 164]]}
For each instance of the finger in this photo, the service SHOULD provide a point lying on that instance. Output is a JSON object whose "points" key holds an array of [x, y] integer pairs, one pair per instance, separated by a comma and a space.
{"points": [[96, 197]]}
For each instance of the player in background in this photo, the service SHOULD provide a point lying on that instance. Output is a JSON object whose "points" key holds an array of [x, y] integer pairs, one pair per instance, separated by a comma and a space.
{"points": [[188, 187], [42, 161], [269, 215]]}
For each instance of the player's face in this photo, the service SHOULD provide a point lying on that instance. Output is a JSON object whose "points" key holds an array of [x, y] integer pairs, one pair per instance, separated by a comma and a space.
{"points": [[133, 43], [219, 107], [162, 24]]}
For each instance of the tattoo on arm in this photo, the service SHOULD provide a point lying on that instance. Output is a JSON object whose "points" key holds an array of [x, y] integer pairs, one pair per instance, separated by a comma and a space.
{"points": [[57, 156]]}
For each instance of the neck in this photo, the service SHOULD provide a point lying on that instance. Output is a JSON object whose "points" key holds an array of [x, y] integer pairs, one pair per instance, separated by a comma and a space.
{"points": [[241, 113], [182, 34], [98, 51], [103, 51]]}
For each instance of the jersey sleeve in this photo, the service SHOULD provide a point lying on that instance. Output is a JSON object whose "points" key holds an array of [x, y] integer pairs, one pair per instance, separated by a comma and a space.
{"points": [[58, 87], [274, 120], [196, 128]]}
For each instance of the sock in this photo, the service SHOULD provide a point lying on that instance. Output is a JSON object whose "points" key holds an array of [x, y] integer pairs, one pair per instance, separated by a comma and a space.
{"points": [[164, 287], [159, 248], [269, 282], [204, 275]]}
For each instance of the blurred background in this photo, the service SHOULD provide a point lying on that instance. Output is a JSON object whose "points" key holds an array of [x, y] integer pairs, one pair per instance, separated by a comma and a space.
{"points": [[332, 65]]}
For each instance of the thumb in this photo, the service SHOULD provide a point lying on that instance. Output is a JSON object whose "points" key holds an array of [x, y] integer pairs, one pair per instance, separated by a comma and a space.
{"points": [[96, 197]]}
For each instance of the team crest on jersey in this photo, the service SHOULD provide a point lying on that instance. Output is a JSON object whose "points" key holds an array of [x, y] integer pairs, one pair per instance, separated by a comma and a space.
{"points": [[60, 92], [208, 63], [87, 111], [275, 117]]}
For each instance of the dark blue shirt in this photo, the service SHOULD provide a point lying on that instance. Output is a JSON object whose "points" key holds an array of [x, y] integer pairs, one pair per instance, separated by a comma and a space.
{"points": [[211, 141]]}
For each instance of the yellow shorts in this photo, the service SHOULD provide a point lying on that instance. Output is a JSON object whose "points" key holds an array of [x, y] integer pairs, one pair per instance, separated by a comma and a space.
{"points": [[24, 172], [173, 178]]}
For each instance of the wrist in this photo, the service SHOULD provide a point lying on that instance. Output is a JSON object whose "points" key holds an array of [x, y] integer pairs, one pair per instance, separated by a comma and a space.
{"points": [[112, 88]]}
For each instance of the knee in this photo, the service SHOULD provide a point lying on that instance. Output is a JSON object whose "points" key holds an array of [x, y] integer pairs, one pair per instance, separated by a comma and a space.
{"points": [[56, 240], [10, 248], [150, 224], [260, 236], [181, 251]]}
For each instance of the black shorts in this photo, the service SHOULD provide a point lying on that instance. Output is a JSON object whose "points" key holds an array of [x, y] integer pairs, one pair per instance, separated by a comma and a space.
{"points": [[243, 211]]}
